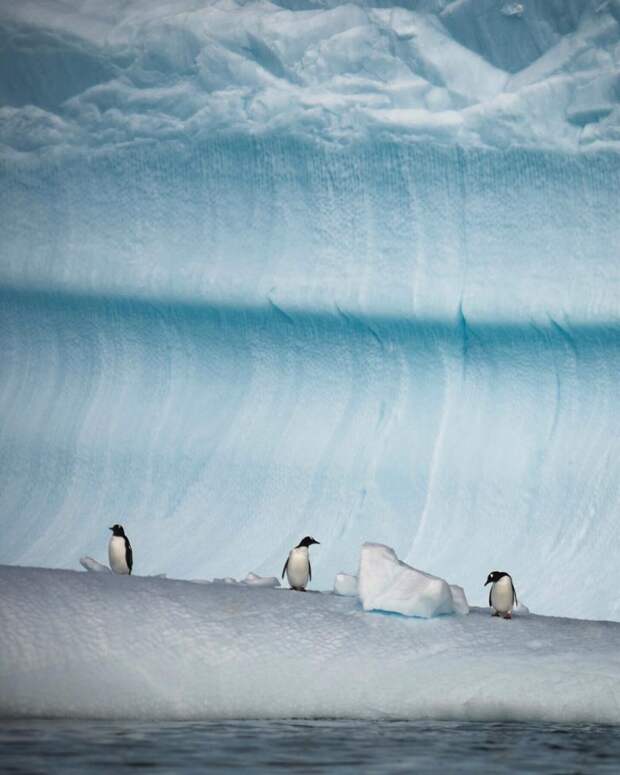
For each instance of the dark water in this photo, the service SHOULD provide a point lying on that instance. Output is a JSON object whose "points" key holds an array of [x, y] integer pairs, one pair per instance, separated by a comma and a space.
{"points": [[307, 746]]}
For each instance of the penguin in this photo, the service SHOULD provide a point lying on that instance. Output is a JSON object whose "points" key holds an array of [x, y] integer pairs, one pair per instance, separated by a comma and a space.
{"points": [[502, 595], [297, 566], [119, 551]]}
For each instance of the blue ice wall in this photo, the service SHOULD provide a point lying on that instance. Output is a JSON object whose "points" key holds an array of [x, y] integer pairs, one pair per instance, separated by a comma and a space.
{"points": [[350, 271]]}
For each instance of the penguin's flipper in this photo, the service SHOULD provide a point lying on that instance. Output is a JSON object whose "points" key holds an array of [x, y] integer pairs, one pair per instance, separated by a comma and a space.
{"points": [[285, 567], [309, 571], [128, 555], [514, 593], [490, 603]]}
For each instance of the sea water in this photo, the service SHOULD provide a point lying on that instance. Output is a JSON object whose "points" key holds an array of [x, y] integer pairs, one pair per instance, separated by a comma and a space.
{"points": [[308, 746]]}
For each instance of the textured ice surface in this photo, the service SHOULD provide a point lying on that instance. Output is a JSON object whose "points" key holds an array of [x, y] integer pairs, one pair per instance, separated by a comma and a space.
{"points": [[387, 584], [101, 645], [466, 71], [270, 270]]}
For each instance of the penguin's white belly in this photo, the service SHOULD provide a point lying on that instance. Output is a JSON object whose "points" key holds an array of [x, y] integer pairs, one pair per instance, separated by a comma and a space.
{"points": [[501, 595], [116, 553], [298, 568]]}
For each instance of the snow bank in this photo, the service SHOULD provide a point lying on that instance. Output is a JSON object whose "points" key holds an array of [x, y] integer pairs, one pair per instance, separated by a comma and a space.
{"points": [[387, 584], [104, 646]]}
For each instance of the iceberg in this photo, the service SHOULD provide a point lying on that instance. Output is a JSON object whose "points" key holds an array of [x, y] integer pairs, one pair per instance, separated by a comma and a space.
{"points": [[271, 269], [102, 646]]}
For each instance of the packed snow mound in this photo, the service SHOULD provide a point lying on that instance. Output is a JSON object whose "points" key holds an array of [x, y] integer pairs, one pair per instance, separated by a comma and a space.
{"points": [[99, 645], [387, 584], [464, 71]]}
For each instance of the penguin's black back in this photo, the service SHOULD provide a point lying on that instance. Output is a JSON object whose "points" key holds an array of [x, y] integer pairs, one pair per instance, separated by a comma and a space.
{"points": [[128, 554]]}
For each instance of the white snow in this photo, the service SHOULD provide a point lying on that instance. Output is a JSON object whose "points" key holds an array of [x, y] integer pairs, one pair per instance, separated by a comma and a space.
{"points": [[104, 646], [387, 584]]}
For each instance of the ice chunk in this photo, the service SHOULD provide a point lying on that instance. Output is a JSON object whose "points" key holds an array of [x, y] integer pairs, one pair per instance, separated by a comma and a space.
{"points": [[387, 584], [93, 566], [254, 580], [345, 584]]}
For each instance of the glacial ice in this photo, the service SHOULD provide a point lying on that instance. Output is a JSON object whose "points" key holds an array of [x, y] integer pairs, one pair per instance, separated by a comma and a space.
{"points": [[97, 645], [340, 269], [387, 584]]}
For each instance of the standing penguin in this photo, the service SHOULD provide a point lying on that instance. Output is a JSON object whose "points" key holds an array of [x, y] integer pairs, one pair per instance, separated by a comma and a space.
{"points": [[297, 567], [119, 551], [502, 595]]}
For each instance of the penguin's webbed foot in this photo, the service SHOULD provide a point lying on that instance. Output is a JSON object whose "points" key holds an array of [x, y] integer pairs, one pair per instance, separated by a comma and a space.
{"points": [[508, 615]]}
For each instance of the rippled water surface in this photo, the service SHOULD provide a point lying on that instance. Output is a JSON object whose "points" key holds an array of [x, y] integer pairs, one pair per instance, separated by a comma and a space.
{"points": [[308, 746]]}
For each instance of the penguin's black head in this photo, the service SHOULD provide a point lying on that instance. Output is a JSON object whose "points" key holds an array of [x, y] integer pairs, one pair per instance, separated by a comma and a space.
{"points": [[494, 576], [117, 530], [307, 541]]}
